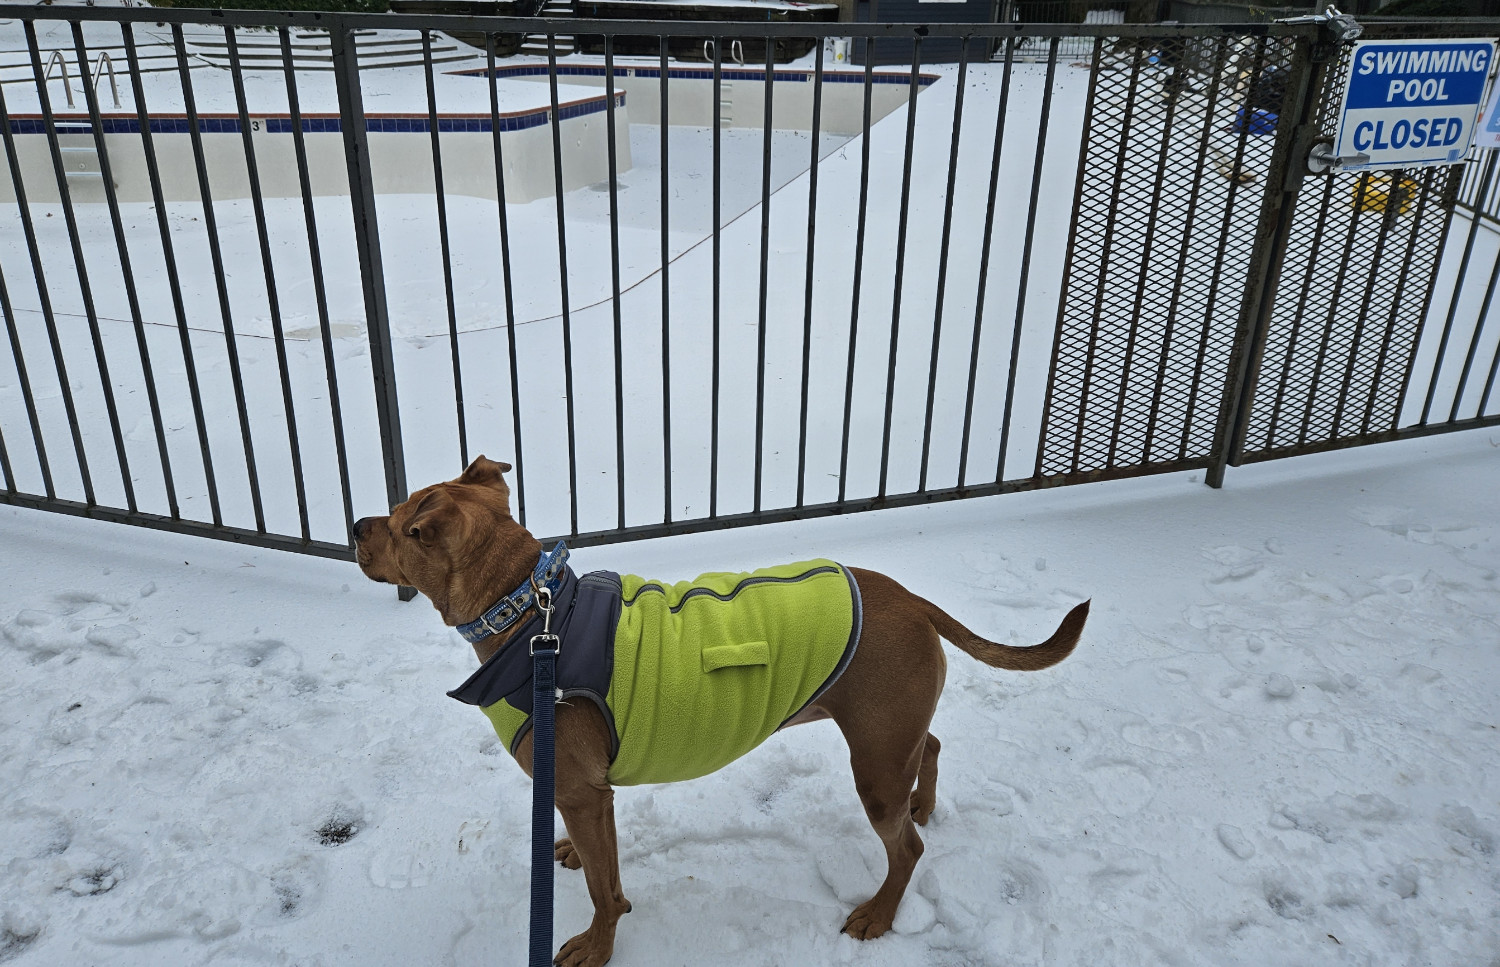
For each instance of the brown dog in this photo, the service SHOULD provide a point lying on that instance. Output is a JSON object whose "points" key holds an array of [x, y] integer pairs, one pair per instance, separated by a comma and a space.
{"points": [[457, 543]]}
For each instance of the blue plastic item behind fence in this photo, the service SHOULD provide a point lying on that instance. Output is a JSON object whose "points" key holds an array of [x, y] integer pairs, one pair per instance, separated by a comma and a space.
{"points": [[1261, 122]]}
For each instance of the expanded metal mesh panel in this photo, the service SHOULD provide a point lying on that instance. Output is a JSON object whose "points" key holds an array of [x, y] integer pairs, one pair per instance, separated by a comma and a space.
{"points": [[1355, 281], [1177, 147]]}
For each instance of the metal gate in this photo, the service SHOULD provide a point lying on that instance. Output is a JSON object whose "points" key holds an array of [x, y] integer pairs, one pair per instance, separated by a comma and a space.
{"points": [[1359, 253], [1222, 303]]}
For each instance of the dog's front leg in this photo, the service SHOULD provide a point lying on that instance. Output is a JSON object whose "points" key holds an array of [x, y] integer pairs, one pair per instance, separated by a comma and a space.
{"points": [[587, 804], [589, 812]]}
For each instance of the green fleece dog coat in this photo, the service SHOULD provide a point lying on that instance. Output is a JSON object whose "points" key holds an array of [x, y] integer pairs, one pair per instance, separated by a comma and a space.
{"points": [[690, 676]]}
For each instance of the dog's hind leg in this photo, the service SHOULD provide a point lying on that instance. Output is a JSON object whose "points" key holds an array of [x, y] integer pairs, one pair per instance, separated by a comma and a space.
{"points": [[565, 854], [924, 797], [884, 783]]}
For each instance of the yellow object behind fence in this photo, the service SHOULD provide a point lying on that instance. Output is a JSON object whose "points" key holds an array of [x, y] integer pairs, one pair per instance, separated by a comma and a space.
{"points": [[1372, 193]]}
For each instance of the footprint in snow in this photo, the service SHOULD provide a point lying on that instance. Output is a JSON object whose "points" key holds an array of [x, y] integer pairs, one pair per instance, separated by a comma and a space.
{"points": [[1287, 903], [1233, 839], [94, 882], [1171, 739], [14, 940], [1319, 734], [1121, 787], [76, 601], [342, 825], [1237, 563], [293, 889], [399, 871], [112, 639], [1464, 832]]}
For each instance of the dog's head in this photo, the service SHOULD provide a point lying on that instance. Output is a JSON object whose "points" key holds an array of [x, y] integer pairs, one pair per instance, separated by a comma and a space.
{"points": [[456, 542]]}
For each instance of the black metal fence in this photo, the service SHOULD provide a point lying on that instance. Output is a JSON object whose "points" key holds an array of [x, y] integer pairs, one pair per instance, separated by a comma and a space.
{"points": [[254, 300]]}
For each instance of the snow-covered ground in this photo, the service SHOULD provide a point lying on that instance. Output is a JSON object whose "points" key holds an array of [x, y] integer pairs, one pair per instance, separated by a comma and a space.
{"points": [[1276, 745]]}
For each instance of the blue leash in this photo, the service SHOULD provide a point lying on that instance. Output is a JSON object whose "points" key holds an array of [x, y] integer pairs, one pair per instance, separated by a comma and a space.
{"points": [[544, 648]]}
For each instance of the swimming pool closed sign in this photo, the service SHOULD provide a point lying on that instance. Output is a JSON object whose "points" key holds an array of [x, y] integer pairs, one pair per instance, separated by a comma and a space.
{"points": [[1411, 103]]}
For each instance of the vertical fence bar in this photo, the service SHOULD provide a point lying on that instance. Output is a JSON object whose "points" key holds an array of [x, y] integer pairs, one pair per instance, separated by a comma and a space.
{"points": [[1106, 258], [1463, 271], [1273, 230], [807, 298], [1448, 203], [562, 264], [1489, 384], [27, 396], [1361, 189], [1296, 334], [666, 294], [371, 268], [85, 290], [765, 256], [859, 267], [10, 478], [320, 292], [216, 256], [1189, 220], [1392, 317], [890, 377], [1469, 357], [1249, 373], [614, 275], [442, 215], [942, 278], [717, 282], [984, 261], [1026, 249], [273, 301], [1387, 223], [1095, 62], [111, 197], [174, 283], [510, 302], [10, 319], [1144, 275]]}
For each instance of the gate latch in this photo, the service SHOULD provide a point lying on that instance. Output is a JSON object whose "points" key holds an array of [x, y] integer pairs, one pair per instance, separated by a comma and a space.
{"points": [[1321, 160], [1336, 30]]}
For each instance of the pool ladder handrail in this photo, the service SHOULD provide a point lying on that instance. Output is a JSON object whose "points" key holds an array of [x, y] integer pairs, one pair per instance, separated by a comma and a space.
{"points": [[736, 51], [56, 59]]}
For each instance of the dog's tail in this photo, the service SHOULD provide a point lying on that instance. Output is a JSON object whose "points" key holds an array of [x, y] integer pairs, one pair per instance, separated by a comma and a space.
{"points": [[1010, 657]]}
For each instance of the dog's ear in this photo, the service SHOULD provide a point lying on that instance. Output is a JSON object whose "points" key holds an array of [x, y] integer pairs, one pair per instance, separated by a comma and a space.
{"points": [[436, 511], [485, 472]]}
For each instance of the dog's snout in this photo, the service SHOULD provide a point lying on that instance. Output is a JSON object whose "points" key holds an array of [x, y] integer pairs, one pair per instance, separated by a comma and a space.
{"points": [[361, 528]]}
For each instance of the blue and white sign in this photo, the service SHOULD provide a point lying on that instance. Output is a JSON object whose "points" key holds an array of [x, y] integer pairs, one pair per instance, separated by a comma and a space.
{"points": [[1410, 103], [1489, 122]]}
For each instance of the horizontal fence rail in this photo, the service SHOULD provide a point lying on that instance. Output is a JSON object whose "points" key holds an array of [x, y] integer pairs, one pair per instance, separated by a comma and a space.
{"points": [[701, 274]]}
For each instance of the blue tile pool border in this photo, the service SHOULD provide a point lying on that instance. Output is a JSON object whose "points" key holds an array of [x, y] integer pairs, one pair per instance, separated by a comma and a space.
{"points": [[312, 124]]}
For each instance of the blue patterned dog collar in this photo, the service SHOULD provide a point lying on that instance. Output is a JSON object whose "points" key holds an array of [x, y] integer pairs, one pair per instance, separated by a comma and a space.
{"points": [[514, 606]]}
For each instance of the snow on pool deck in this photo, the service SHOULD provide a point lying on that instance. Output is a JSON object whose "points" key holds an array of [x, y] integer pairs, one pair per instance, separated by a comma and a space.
{"points": [[1276, 745]]}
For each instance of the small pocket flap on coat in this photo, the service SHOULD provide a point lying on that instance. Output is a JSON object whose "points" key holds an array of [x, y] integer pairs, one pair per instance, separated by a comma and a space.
{"points": [[737, 655]]}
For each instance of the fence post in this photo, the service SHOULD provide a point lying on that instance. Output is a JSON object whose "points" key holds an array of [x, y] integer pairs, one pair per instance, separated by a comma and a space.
{"points": [[1296, 132], [371, 270]]}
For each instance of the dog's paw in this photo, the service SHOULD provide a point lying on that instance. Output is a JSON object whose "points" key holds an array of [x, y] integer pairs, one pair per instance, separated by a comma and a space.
{"points": [[921, 809], [586, 950], [866, 922], [566, 854]]}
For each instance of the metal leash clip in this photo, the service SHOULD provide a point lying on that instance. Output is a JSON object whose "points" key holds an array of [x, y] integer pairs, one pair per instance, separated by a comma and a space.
{"points": [[550, 641]]}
